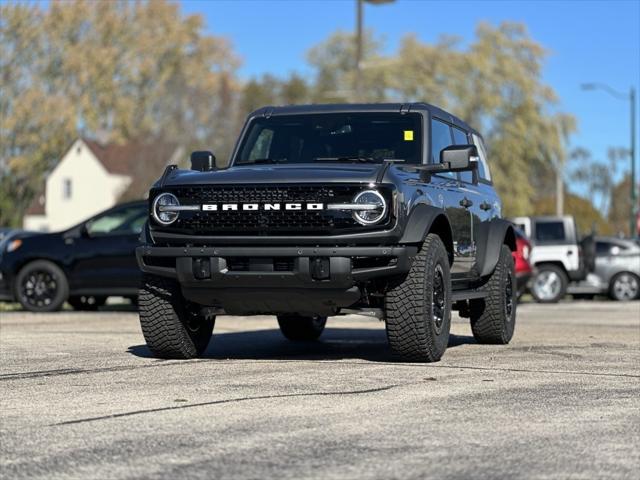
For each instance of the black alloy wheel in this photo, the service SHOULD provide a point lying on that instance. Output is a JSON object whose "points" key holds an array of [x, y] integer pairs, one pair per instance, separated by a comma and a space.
{"points": [[41, 286]]}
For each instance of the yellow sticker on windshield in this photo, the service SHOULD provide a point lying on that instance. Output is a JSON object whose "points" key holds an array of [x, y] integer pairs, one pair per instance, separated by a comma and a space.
{"points": [[408, 135]]}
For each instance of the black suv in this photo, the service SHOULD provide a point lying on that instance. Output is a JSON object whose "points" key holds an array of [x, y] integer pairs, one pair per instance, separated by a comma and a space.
{"points": [[82, 265], [330, 209]]}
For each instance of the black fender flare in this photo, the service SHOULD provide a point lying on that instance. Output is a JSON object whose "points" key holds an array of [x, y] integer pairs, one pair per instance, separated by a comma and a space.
{"points": [[425, 218], [490, 238]]}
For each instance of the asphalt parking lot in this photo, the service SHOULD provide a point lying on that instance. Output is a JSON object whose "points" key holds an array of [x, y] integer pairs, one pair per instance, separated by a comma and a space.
{"points": [[80, 397]]}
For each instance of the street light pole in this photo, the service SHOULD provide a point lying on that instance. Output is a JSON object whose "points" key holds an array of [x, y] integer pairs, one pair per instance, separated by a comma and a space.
{"points": [[631, 97], [359, 48], [358, 81], [634, 197]]}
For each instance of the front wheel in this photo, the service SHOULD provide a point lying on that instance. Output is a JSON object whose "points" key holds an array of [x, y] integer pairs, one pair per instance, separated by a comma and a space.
{"points": [[493, 318], [418, 310], [624, 287], [171, 327], [41, 286], [549, 284], [301, 328]]}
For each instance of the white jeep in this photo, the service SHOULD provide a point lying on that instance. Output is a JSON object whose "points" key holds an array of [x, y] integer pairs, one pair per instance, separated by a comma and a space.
{"points": [[556, 256]]}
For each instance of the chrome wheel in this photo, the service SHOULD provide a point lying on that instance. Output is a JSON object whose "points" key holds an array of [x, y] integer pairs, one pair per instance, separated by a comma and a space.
{"points": [[625, 287], [547, 285]]}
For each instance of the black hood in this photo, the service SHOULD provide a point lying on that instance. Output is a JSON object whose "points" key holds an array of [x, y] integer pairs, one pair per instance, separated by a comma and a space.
{"points": [[270, 174]]}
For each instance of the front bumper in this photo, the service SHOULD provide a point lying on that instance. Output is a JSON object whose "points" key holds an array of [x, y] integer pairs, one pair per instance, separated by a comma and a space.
{"points": [[275, 279]]}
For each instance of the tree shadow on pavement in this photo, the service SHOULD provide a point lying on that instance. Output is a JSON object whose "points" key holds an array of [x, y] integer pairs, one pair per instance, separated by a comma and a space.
{"points": [[335, 343]]}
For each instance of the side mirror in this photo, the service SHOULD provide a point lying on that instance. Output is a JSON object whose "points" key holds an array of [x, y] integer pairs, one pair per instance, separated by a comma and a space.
{"points": [[203, 161], [460, 157], [454, 158]]}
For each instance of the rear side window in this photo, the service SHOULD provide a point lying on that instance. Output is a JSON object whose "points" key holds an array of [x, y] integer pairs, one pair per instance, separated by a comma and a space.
{"points": [[550, 231], [483, 167], [440, 139]]}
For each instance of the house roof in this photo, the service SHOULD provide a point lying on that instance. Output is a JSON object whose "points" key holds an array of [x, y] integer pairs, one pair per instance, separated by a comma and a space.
{"points": [[124, 159]]}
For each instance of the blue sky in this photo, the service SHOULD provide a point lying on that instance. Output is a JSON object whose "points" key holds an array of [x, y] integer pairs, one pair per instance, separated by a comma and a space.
{"points": [[587, 41]]}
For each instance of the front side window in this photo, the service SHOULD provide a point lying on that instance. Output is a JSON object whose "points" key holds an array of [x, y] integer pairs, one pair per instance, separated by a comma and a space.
{"points": [[460, 138], [124, 221], [337, 137], [440, 139]]}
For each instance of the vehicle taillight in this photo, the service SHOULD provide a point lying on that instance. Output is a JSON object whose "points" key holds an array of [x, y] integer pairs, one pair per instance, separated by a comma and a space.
{"points": [[525, 252]]}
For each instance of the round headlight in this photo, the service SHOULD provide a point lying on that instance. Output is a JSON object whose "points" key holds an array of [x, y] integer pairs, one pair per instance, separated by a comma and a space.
{"points": [[376, 207], [159, 211]]}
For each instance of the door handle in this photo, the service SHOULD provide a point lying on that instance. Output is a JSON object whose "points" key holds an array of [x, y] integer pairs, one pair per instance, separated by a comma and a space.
{"points": [[485, 206], [465, 202]]}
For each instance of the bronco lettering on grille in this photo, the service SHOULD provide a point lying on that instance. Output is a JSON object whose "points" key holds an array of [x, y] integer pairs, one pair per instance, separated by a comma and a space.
{"points": [[225, 207]]}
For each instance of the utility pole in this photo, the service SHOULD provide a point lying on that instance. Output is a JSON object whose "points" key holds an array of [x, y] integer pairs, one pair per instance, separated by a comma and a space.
{"points": [[634, 197], [357, 87], [358, 81], [559, 190]]}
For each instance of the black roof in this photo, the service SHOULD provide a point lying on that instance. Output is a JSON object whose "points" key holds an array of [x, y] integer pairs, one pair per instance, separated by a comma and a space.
{"points": [[362, 107]]}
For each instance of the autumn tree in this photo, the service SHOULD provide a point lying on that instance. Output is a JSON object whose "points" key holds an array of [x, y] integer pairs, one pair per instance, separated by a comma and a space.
{"points": [[620, 205], [495, 84], [127, 70]]}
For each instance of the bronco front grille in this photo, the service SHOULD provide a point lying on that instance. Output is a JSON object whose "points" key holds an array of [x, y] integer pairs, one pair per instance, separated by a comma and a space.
{"points": [[301, 222]]}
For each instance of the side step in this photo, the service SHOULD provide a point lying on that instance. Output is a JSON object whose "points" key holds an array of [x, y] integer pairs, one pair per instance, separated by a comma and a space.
{"points": [[467, 295]]}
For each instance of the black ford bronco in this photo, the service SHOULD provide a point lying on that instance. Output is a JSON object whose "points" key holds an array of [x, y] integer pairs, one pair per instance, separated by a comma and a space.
{"points": [[384, 209]]}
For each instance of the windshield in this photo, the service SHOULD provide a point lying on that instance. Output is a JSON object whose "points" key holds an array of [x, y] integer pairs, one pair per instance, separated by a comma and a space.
{"points": [[341, 137]]}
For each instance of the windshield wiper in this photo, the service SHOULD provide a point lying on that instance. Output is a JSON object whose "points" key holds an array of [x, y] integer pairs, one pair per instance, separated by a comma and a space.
{"points": [[355, 158]]}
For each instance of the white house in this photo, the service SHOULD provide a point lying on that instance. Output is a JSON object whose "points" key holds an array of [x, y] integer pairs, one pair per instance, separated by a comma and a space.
{"points": [[92, 177]]}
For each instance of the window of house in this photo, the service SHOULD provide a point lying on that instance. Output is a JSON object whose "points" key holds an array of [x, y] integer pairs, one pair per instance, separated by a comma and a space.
{"points": [[67, 189]]}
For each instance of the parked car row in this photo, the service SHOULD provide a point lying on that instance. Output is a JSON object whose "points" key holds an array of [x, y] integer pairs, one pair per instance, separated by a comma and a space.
{"points": [[95, 259], [82, 265], [592, 266]]}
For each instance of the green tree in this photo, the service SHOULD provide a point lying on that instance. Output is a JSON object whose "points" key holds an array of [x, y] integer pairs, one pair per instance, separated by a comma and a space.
{"points": [[129, 70]]}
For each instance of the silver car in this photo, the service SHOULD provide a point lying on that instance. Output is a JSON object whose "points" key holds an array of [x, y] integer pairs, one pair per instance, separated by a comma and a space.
{"points": [[616, 273]]}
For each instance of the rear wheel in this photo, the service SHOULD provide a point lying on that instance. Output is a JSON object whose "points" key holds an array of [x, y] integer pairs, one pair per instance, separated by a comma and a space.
{"points": [[41, 286], [493, 317], [87, 303], [624, 286], [301, 328], [549, 284], [418, 311], [171, 327]]}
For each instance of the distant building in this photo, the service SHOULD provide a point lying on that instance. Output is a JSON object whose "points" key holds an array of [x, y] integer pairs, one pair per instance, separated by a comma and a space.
{"points": [[91, 177]]}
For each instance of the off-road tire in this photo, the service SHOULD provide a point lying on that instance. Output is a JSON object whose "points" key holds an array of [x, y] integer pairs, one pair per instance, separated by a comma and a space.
{"points": [[300, 328], [86, 303], [493, 317], [413, 331], [170, 327], [564, 281], [52, 275]]}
